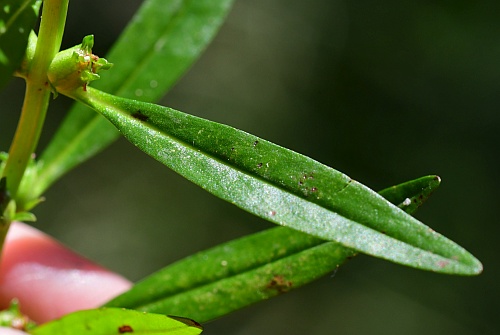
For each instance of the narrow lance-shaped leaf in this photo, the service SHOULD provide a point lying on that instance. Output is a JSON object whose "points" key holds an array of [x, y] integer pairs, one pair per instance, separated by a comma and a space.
{"points": [[17, 18], [233, 275], [280, 185], [238, 273], [164, 34], [219, 298], [422, 187], [113, 321]]}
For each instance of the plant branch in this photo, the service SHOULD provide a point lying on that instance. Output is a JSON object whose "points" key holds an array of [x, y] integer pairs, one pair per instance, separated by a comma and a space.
{"points": [[37, 92]]}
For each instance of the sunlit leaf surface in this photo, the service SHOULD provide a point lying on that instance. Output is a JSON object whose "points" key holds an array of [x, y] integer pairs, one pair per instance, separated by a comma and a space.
{"points": [[115, 321]]}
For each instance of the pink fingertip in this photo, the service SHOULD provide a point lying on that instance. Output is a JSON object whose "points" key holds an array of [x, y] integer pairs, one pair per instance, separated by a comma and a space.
{"points": [[10, 331], [50, 280]]}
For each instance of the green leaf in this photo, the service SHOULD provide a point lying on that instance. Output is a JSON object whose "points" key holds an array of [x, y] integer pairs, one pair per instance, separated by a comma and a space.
{"points": [[164, 37], [113, 321], [237, 290], [236, 274], [17, 18], [233, 275], [280, 185], [411, 195]]}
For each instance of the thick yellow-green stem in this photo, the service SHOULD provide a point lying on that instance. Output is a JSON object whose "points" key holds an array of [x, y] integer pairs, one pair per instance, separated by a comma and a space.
{"points": [[36, 98], [37, 92]]}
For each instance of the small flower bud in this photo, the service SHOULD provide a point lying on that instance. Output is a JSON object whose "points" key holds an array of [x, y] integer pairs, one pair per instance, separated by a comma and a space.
{"points": [[76, 67]]}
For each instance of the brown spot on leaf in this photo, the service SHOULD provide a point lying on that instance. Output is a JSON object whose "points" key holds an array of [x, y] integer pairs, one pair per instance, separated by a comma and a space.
{"points": [[125, 329], [255, 143], [139, 116], [443, 264], [280, 284], [259, 165]]}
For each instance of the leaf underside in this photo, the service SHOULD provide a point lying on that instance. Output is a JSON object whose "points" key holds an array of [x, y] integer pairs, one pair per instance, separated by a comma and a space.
{"points": [[280, 185]]}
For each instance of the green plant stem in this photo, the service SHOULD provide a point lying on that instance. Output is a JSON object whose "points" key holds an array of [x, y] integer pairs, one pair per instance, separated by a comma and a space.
{"points": [[37, 94]]}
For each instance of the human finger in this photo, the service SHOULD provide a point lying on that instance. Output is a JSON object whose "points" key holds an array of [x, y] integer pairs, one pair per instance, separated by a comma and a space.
{"points": [[10, 331], [48, 279]]}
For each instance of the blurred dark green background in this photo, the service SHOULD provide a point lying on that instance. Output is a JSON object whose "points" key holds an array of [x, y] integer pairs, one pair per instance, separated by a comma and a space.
{"points": [[384, 91]]}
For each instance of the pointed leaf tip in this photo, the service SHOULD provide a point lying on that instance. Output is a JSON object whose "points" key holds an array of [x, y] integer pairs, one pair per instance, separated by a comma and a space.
{"points": [[409, 196]]}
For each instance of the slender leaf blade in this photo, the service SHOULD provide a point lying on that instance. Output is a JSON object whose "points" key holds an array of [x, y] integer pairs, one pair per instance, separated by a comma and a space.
{"points": [[17, 19], [221, 297], [237, 257], [280, 185], [164, 34], [112, 321]]}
